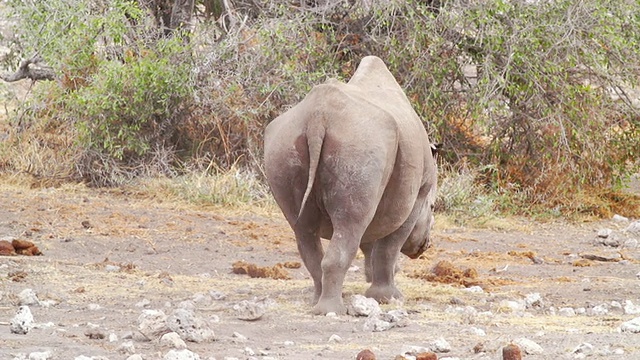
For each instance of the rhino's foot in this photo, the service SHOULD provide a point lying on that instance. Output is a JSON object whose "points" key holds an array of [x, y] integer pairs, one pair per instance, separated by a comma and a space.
{"points": [[323, 307], [383, 294]]}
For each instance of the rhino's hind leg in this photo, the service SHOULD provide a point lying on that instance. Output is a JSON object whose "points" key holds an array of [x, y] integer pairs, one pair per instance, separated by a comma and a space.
{"points": [[310, 247], [367, 248], [384, 258], [340, 253]]}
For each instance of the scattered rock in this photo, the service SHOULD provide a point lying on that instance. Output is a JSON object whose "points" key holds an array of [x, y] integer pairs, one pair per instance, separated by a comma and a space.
{"points": [[566, 311], [94, 334], [152, 324], [511, 352], [183, 354], [604, 233], [584, 348], [529, 347], [632, 326], [28, 297], [620, 218], [630, 308], [533, 300], [127, 348], [189, 326], [366, 355], [217, 295], [22, 323], [335, 339], [173, 341], [379, 321], [413, 350], [41, 355], [440, 345], [251, 310], [363, 306], [135, 357], [634, 227]]}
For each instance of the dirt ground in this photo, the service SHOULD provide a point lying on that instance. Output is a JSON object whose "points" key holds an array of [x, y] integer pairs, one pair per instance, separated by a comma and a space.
{"points": [[110, 254]]}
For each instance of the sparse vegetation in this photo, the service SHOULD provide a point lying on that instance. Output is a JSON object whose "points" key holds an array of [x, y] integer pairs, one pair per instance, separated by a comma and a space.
{"points": [[532, 100]]}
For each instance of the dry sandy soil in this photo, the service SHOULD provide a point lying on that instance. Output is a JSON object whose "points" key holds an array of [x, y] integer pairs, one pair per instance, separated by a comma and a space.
{"points": [[166, 252]]}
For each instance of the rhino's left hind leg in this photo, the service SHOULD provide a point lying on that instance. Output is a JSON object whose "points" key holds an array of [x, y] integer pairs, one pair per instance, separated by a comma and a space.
{"points": [[310, 247]]}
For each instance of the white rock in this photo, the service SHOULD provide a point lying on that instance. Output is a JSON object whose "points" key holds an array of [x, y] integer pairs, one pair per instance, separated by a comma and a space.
{"points": [[113, 337], [630, 308], [474, 331], [440, 345], [183, 354], [474, 289], [28, 297], [375, 324], [630, 243], [217, 295], [135, 357], [127, 348], [187, 305], [363, 306], [189, 326], [598, 310], [413, 350], [584, 348], [533, 300], [335, 339], [173, 340], [44, 355], [528, 346], [515, 306], [288, 343], [581, 311], [152, 324], [632, 326], [249, 351], [619, 218], [604, 233], [143, 303], [239, 338], [251, 310], [566, 311], [634, 227], [22, 323], [93, 307]]}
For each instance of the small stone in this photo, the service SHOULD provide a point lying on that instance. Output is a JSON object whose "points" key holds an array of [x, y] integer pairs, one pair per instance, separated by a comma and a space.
{"points": [[288, 343], [217, 295], [335, 339], [474, 289], [630, 308], [529, 347], [634, 227], [511, 352], [363, 306], [189, 326], [183, 354], [28, 297], [239, 338], [366, 354], [584, 348], [630, 243], [135, 357], [127, 348], [533, 300], [22, 323], [113, 337], [412, 350], [440, 345], [566, 311], [152, 324], [249, 351], [619, 218], [173, 340], [598, 310], [375, 324], [143, 303], [44, 355], [604, 233], [112, 268], [251, 310], [93, 307], [631, 326]]}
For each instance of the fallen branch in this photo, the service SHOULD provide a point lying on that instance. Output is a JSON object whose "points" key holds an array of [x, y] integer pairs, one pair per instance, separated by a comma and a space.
{"points": [[29, 69]]}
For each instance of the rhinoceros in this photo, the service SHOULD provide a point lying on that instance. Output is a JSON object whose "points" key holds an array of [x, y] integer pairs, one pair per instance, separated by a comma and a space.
{"points": [[352, 163]]}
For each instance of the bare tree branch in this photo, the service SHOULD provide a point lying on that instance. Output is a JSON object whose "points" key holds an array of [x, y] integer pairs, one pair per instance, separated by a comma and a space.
{"points": [[30, 69]]}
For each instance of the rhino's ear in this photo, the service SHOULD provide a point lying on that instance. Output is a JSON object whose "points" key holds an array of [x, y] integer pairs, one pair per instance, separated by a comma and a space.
{"points": [[436, 149]]}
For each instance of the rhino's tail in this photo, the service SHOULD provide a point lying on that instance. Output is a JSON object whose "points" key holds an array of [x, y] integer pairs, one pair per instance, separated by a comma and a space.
{"points": [[315, 138]]}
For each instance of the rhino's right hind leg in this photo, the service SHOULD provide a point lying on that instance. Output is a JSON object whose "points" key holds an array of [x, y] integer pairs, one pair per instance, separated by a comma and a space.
{"points": [[366, 249]]}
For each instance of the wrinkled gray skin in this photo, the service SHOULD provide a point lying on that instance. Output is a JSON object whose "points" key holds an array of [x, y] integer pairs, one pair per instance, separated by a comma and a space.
{"points": [[352, 163]]}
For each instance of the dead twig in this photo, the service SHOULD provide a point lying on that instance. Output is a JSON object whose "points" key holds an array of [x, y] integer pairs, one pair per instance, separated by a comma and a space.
{"points": [[30, 69]]}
